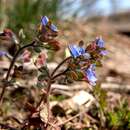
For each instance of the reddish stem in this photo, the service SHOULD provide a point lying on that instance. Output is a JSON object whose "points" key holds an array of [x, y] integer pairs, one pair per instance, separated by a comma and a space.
{"points": [[11, 66]]}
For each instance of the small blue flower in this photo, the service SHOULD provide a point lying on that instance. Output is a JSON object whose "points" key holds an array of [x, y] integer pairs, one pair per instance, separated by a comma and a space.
{"points": [[76, 50], [54, 28], [45, 20], [104, 52], [90, 74], [81, 50], [86, 56], [2, 53], [100, 43]]}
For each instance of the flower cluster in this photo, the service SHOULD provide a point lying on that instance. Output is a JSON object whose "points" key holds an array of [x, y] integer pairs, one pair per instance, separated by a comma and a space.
{"points": [[86, 59], [47, 33]]}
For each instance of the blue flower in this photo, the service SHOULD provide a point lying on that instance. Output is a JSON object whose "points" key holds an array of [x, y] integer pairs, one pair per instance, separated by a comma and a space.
{"points": [[86, 56], [2, 53], [76, 50], [45, 21], [54, 28], [104, 52], [100, 43], [82, 50], [90, 74]]}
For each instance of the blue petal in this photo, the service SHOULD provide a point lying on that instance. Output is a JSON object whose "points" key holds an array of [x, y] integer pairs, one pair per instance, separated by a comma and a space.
{"points": [[92, 67], [86, 56], [2, 53], [81, 50], [45, 20], [100, 43], [104, 52], [54, 28], [90, 73], [74, 50]]}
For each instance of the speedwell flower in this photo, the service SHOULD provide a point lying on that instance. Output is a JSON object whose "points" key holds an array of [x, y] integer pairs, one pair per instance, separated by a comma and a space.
{"points": [[47, 30], [76, 50], [100, 43], [104, 52], [90, 75], [46, 22]]}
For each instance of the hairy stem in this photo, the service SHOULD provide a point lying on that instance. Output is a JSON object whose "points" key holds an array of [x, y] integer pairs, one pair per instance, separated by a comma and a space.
{"points": [[47, 99], [11, 66], [59, 74], [59, 65]]}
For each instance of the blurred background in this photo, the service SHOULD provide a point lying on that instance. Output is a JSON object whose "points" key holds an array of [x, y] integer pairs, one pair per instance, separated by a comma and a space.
{"points": [[23, 12]]}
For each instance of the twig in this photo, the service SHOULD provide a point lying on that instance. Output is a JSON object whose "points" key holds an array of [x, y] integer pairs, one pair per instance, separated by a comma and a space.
{"points": [[68, 88], [68, 94], [118, 88], [13, 118], [4, 126], [77, 115]]}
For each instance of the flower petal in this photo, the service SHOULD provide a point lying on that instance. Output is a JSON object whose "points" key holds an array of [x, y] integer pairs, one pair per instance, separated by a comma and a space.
{"points": [[104, 52], [100, 42], [54, 28], [81, 50], [76, 50], [86, 56], [91, 76], [45, 20]]}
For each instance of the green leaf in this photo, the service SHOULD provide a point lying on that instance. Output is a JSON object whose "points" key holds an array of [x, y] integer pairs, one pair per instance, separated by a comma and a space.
{"points": [[41, 77], [44, 73], [39, 85], [80, 74], [98, 63], [101, 95], [44, 69], [114, 119], [37, 49]]}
